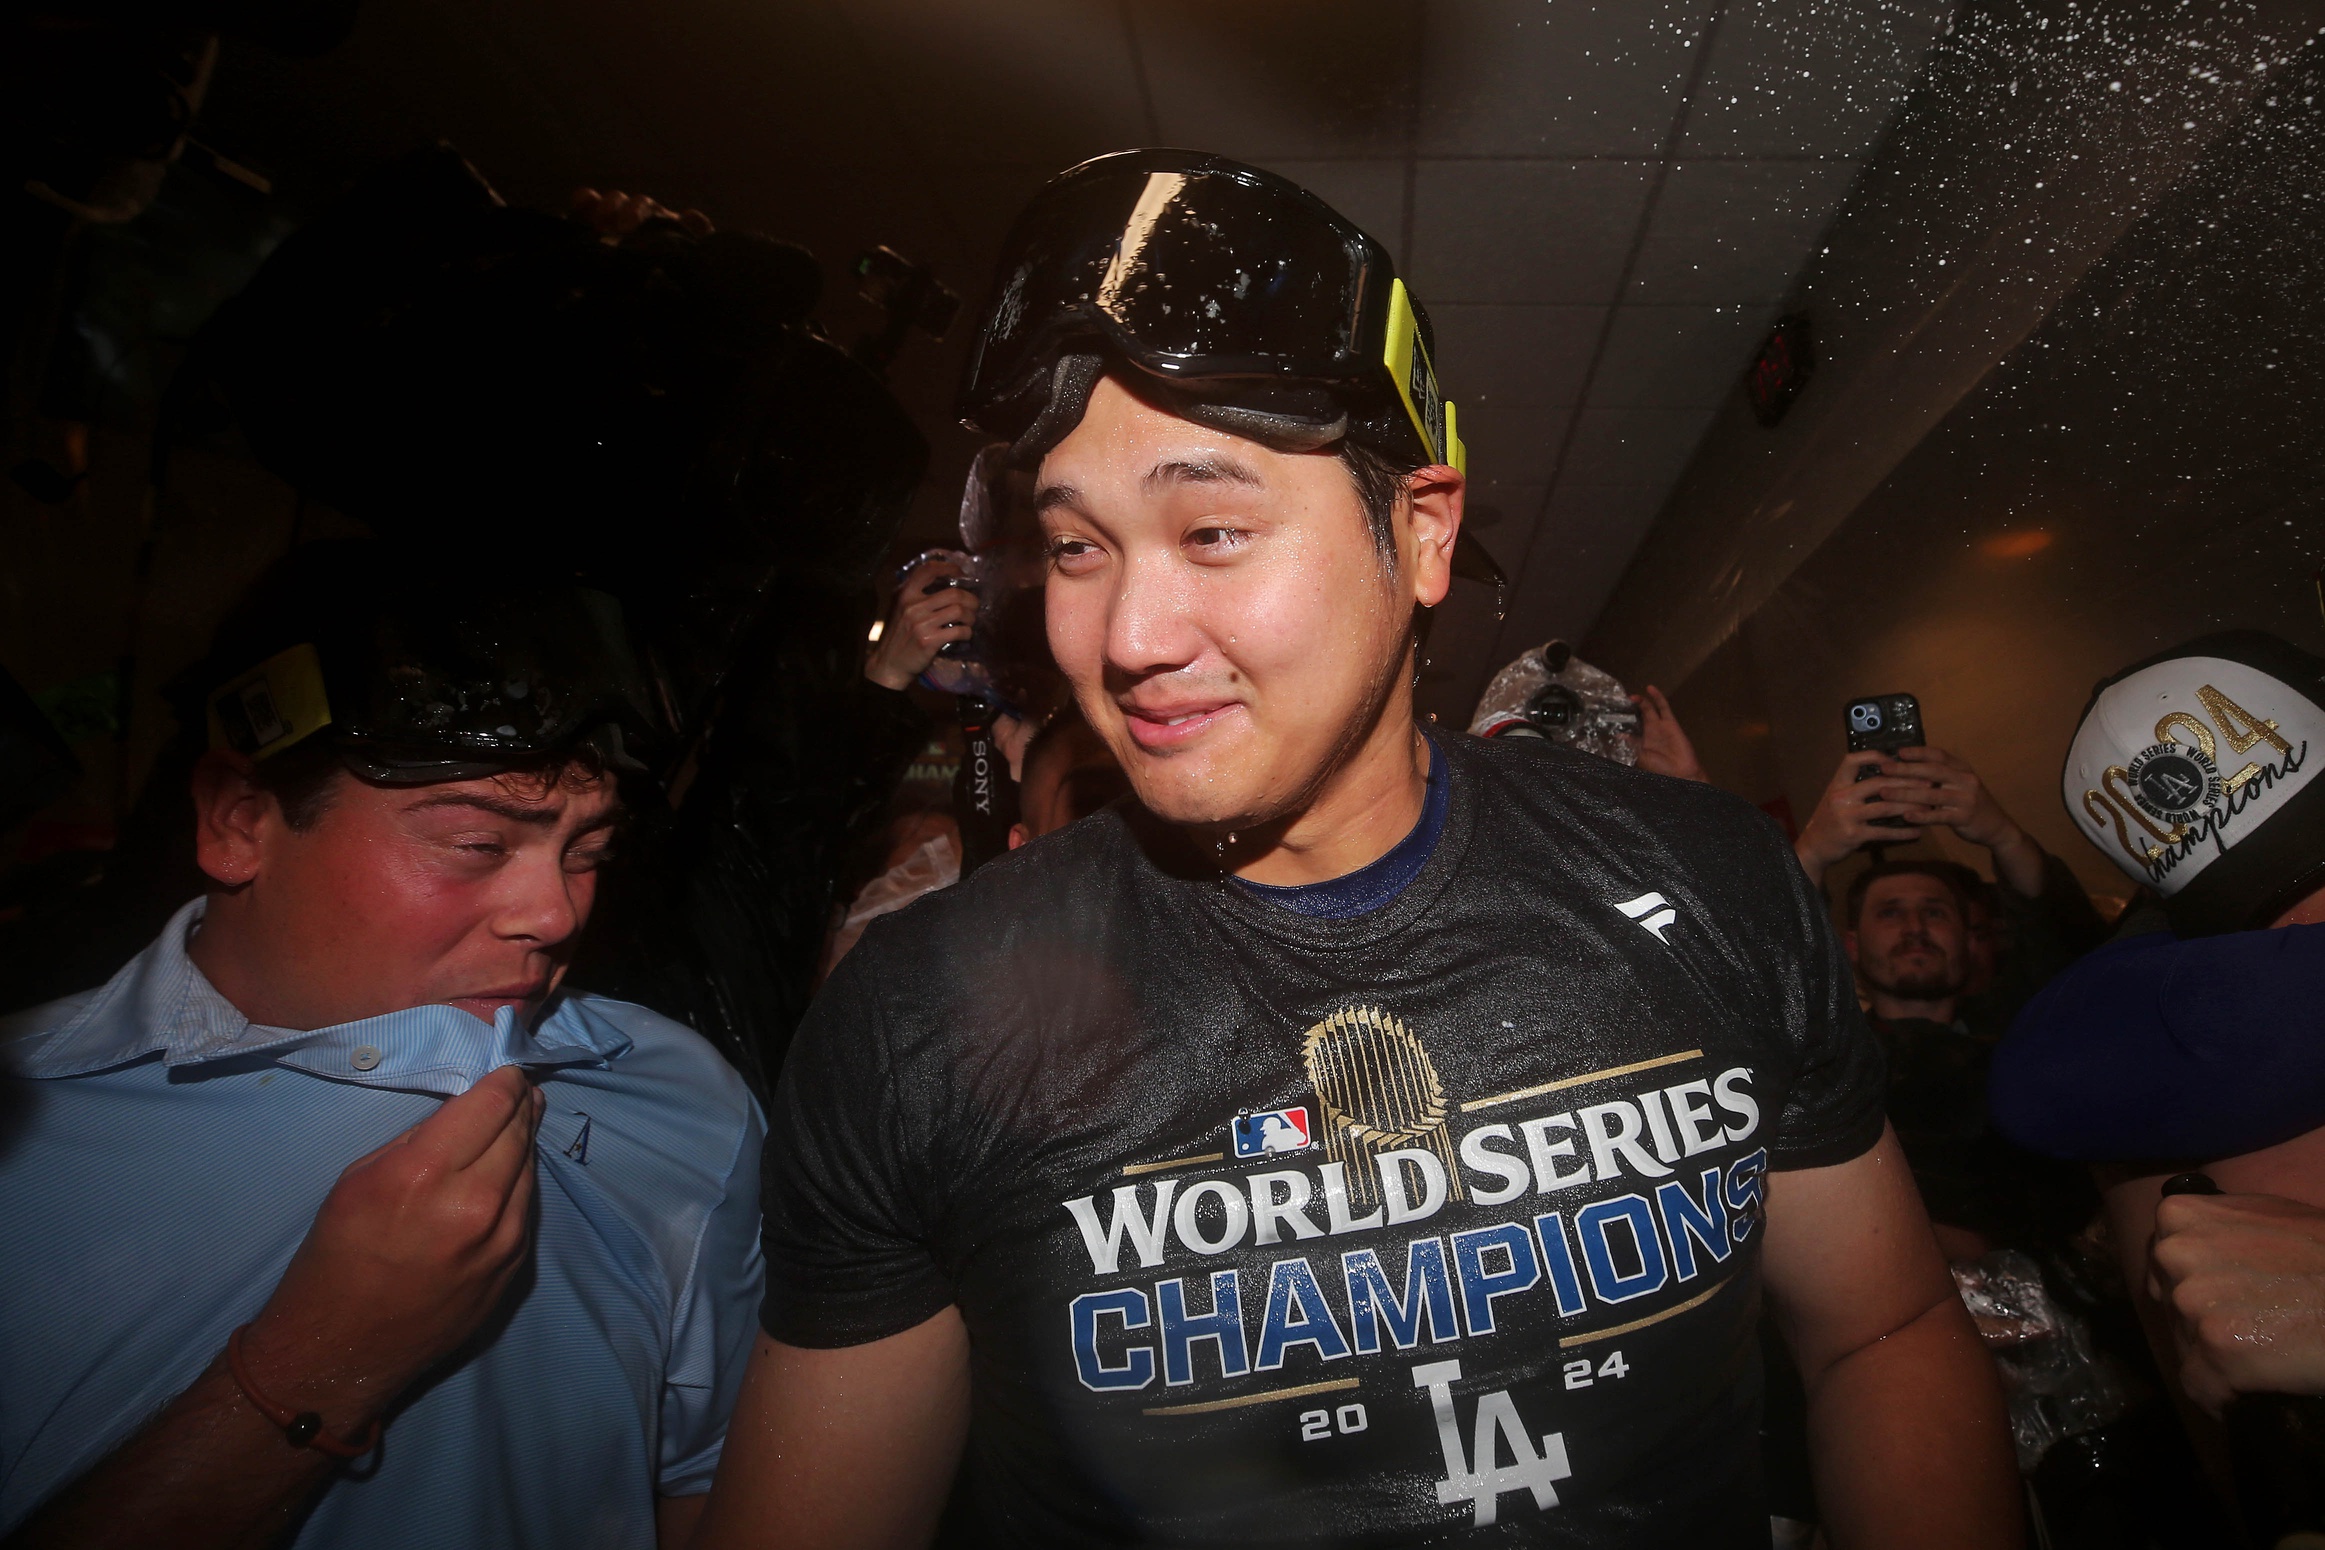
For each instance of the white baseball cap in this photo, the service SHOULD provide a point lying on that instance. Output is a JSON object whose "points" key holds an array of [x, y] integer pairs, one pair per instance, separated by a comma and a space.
{"points": [[2196, 772]]}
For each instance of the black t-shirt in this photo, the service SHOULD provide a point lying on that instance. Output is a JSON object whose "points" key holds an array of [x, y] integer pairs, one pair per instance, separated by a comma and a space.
{"points": [[1279, 1230]]}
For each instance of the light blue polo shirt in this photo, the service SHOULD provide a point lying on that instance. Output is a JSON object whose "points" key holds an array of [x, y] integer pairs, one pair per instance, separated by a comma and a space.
{"points": [[161, 1158]]}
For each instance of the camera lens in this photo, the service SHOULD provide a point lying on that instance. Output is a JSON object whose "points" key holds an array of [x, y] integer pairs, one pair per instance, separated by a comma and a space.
{"points": [[1553, 708]]}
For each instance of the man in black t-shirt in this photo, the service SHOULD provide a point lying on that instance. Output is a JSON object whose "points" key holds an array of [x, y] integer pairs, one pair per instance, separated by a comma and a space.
{"points": [[1360, 1137]]}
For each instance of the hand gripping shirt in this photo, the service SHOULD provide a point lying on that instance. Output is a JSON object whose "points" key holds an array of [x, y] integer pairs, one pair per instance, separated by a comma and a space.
{"points": [[1437, 1223], [161, 1158]]}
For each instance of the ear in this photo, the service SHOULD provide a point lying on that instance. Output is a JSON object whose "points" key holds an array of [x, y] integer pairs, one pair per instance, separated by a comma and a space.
{"points": [[1849, 943], [234, 821], [1018, 835], [1434, 497]]}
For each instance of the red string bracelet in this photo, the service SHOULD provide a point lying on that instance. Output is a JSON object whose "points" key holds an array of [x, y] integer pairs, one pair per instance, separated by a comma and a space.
{"points": [[304, 1428]]}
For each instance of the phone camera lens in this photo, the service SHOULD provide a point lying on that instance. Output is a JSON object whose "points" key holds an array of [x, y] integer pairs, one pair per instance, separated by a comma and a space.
{"points": [[1865, 718]]}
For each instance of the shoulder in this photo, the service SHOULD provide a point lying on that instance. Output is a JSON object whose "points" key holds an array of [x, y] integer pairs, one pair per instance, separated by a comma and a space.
{"points": [[26, 1035], [1072, 884], [666, 1058], [49, 1017], [669, 1073], [1616, 807]]}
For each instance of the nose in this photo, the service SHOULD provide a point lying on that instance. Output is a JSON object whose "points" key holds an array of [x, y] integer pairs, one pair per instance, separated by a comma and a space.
{"points": [[1151, 624], [545, 905]]}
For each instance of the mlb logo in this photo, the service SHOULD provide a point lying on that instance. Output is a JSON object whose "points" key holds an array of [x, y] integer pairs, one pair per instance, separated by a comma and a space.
{"points": [[1271, 1131]]}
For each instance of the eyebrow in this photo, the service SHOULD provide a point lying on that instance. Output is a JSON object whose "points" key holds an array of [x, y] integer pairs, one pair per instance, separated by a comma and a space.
{"points": [[1217, 468], [1050, 495], [516, 812]]}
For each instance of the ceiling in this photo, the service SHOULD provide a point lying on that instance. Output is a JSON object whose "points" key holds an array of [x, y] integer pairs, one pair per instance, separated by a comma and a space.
{"points": [[1603, 205]]}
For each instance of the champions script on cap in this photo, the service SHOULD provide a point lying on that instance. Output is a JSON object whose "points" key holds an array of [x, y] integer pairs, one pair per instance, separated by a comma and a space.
{"points": [[2180, 761]]}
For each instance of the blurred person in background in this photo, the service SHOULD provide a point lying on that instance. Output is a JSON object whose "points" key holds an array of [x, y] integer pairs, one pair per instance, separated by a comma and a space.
{"points": [[335, 1218], [1069, 773], [2042, 917], [933, 608], [1550, 694], [2185, 1060], [1907, 932]]}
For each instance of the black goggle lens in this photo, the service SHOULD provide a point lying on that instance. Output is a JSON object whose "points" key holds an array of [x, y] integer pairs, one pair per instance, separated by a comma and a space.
{"points": [[1159, 263]]}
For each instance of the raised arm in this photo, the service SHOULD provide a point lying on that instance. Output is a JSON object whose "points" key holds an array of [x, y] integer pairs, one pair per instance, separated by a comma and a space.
{"points": [[1907, 1433], [844, 1449]]}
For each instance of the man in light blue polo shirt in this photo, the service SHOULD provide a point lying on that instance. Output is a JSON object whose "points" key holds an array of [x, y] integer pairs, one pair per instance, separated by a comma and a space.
{"points": [[330, 1218]]}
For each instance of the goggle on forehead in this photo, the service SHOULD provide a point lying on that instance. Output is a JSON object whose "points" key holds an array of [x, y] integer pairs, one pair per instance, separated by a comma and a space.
{"points": [[427, 698], [1221, 280]]}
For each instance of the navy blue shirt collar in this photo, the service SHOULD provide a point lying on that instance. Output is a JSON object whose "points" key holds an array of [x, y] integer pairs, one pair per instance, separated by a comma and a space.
{"points": [[1376, 883]]}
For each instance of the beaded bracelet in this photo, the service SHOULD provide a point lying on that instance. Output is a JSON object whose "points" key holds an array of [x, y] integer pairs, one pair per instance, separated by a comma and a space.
{"points": [[303, 1428]]}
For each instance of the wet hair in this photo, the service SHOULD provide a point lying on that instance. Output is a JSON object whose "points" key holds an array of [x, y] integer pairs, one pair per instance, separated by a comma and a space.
{"points": [[301, 777], [1940, 871], [1379, 482]]}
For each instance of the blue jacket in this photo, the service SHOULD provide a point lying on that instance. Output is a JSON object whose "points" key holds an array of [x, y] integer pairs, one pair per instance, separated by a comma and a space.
{"points": [[2158, 1048]]}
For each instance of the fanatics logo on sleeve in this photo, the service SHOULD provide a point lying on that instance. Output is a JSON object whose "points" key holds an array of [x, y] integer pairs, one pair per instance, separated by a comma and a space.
{"points": [[1271, 1131]]}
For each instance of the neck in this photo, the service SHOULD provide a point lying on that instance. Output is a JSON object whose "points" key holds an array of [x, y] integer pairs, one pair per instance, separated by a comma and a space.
{"points": [[227, 951], [1368, 800], [1892, 1009]]}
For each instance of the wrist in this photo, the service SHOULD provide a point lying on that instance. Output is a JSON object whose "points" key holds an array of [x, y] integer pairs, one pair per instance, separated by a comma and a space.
{"points": [[302, 1370], [888, 675], [2017, 861]]}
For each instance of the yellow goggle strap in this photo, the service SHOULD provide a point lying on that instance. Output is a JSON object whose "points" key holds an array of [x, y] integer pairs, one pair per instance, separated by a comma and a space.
{"points": [[272, 706], [1407, 360]]}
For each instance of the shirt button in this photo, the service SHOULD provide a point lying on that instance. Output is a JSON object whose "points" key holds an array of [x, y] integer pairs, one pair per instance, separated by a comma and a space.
{"points": [[363, 1057]]}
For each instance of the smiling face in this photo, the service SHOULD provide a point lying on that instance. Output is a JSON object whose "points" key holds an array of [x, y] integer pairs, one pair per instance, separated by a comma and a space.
{"points": [[469, 894], [1230, 627]]}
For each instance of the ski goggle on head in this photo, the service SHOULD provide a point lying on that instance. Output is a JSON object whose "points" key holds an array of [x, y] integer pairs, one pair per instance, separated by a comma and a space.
{"points": [[1248, 303], [420, 694]]}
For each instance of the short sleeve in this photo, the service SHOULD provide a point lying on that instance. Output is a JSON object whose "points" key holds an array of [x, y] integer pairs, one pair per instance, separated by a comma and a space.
{"points": [[710, 1339], [847, 1200], [1837, 1104]]}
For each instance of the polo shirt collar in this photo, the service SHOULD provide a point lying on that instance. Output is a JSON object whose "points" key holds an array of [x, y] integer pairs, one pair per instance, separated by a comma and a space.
{"points": [[161, 1003]]}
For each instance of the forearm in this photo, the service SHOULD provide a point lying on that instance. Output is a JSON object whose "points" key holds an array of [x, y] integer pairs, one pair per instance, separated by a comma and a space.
{"points": [[2018, 863], [1911, 1443], [209, 1473]]}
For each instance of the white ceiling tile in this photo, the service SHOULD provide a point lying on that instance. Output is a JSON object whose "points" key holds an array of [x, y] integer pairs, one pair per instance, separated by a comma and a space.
{"points": [[1515, 373], [1726, 232], [1370, 193], [1290, 78], [1676, 357], [1810, 77], [1011, 80], [1525, 78], [1521, 359], [1589, 533], [1511, 449], [1546, 232], [1632, 446]]}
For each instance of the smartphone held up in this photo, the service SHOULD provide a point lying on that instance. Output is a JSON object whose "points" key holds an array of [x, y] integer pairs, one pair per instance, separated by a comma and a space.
{"points": [[1884, 723]]}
